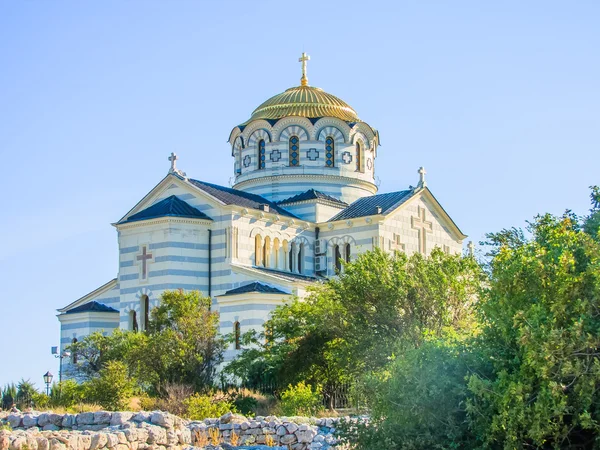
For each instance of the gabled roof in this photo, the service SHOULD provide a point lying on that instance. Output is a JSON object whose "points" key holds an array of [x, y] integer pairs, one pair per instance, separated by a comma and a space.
{"points": [[254, 287], [169, 207], [231, 196], [92, 306], [312, 194], [367, 206]]}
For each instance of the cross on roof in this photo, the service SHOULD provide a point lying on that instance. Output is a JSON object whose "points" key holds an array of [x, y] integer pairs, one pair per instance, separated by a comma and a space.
{"points": [[471, 248], [303, 59], [422, 182], [173, 158], [424, 227]]}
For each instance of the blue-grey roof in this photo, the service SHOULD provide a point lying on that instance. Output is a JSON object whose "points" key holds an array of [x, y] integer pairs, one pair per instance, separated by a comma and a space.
{"points": [[255, 287], [231, 196], [367, 206], [92, 306], [170, 206], [311, 194]]}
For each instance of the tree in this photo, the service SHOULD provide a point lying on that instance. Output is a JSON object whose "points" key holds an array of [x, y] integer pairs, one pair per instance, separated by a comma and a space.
{"points": [[353, 324], [180, 345], [541, 333], [418, 401], [112, 388]]}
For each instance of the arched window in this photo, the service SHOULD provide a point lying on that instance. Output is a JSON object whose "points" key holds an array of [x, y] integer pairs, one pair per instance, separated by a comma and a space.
{"points": [[238, 335], [258, 250], [73, 352], [266, 252], [329, 152], [261, 154], [337, 258], [291, 256], [359, 157], [238, 161], [133, 323], [347, 253], [145, 310], [301, 258], [294, 151]]}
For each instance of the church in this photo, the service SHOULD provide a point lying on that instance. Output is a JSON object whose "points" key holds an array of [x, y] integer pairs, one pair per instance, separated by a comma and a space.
{"points": [[303, 201]]}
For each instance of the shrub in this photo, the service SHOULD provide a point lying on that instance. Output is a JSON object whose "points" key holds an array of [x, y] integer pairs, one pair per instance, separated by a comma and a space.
{"points": [[301, 400], [67, 393], [113, 388], [200, 407]]}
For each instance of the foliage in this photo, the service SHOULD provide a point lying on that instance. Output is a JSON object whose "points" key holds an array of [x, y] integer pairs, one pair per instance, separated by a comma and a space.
{"points": [[67, 393], [300, 400], [9, 395], [419, 400], [200, 407], [541, 334], [351, 325], [180, 346], [113, 388]]}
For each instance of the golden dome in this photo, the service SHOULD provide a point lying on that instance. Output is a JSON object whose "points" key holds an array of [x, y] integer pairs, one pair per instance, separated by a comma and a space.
{"points": [[304, 101]]}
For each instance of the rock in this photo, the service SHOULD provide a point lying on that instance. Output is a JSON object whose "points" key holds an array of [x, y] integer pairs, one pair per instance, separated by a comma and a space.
{"points": [[85, 441], [288, 439], [305, 436], [29, 420], [4, 439], [86, 418], [69, 421], [281, 430], [119, 418], [42, 443], [51, 427], [163, 419], [141, 417], [291, 427], [157, 435], [226, 418], [43, 419], [102, 417], [15, 420], [99, 440], [17, 443], [55, 444]]}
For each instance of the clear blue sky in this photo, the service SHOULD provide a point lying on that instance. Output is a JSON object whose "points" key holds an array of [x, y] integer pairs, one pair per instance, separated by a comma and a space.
{"points": [[498, 100]]}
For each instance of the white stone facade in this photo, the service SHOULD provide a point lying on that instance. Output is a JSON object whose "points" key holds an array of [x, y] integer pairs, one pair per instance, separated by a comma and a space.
{"points": [[263, 232]]}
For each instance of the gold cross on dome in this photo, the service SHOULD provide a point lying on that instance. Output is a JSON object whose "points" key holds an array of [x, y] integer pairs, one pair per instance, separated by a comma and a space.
{"points": [[303, 59]]}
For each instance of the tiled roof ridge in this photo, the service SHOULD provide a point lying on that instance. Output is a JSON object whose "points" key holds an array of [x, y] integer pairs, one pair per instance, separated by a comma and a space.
{"points": [[367, 206], [241, 198], [311, 194], [169, 206], [93, 306]]}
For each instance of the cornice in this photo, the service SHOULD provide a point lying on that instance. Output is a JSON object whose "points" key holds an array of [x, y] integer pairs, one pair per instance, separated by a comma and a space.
{"points": [[270, 178], [161, 220]]}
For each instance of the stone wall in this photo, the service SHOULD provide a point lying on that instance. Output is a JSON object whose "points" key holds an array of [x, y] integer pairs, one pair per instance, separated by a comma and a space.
{"points": [[158, 430]]}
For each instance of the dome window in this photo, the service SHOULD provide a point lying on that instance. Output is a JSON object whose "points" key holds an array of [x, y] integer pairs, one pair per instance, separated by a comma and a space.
{"points": [[329, 152], [261, 154], [294, 151]]}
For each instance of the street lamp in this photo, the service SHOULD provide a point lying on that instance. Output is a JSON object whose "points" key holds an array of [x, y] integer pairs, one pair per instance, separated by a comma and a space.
{"points": [[48, 379], [60, 356]]}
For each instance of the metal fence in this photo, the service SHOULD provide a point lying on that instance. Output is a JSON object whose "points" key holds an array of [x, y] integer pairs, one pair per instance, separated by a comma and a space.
{"points": [[333, 397]]}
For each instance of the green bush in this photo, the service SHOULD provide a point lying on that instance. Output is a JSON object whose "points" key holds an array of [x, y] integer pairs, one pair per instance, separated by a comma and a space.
{"points": [[301, 400], [200, 407], [112, 389]]}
